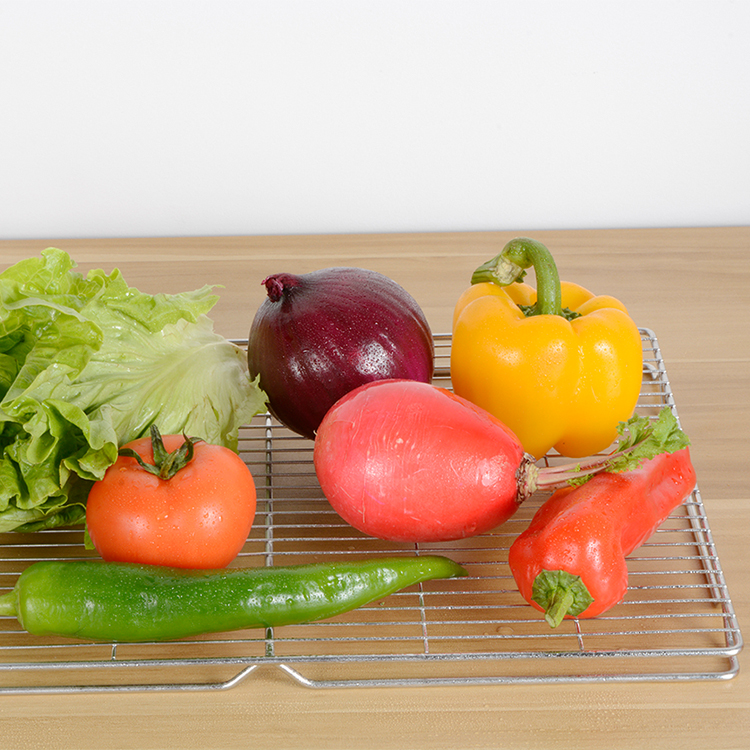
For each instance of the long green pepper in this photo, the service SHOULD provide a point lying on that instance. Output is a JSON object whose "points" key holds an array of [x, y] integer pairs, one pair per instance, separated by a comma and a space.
{"points": [[124, 602]]}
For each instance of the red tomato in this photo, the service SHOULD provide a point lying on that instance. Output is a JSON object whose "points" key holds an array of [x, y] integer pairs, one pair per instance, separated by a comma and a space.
{"points": [[199, 518]]}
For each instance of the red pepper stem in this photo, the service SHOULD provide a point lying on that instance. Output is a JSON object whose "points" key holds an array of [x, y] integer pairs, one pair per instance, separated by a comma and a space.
{"points": [[560, 593], [559, 606], [509, 266]]}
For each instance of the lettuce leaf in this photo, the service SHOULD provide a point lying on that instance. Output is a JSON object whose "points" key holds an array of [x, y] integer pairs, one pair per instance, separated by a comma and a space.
{"points": [[88, 364]]}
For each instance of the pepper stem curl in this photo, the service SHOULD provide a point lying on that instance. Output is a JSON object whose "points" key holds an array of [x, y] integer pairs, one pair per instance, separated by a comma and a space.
{"points": [[509, 266]]}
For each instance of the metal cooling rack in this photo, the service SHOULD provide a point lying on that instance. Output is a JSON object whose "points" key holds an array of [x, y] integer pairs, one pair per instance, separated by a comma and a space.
{"points": [[675, 623]]}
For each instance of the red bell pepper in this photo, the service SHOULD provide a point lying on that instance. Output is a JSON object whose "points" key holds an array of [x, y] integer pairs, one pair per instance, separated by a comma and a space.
{"points": [[570, 561]]}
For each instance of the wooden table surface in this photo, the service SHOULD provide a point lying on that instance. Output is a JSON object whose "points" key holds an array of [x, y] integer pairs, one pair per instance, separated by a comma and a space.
{"points": [[691, 286]]}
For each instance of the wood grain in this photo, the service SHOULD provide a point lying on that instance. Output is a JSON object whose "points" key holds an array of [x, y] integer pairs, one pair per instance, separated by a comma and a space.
{"points": [[691, 286]]}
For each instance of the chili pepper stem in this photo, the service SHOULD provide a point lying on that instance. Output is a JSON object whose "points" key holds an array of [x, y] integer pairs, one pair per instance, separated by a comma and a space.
{"points": [[508, 267], [8, 604]]}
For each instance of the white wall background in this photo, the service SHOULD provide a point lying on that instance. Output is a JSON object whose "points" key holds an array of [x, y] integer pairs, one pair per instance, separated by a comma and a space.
{"points": [[213, 117]]}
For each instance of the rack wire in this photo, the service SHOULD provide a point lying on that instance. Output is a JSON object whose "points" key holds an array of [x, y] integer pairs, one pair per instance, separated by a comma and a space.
{"points": [[676, 621]]}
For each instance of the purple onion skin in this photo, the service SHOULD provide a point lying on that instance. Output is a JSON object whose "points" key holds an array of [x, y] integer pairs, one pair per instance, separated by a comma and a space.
{"points": [[322, 334]]}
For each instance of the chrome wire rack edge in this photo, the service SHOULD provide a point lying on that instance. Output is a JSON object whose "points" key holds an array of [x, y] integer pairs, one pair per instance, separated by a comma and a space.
{"points": [[677, 621]]}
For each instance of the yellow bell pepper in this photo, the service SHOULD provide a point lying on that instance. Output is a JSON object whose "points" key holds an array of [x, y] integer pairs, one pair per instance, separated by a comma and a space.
{"points": [[559, 366]]}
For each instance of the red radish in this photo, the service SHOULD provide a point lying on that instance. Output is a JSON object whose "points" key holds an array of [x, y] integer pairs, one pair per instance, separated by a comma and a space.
{"points": [[408, 461]]}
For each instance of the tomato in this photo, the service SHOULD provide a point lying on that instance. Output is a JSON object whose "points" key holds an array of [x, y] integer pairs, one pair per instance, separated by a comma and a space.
{"points": [[198, 518]]}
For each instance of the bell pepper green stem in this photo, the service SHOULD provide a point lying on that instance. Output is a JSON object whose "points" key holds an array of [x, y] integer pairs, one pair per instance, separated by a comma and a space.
{"points": [[509, 266]]}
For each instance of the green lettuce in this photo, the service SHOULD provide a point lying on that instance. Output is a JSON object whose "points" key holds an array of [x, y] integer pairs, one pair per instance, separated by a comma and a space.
{"points": [[88, 364]]}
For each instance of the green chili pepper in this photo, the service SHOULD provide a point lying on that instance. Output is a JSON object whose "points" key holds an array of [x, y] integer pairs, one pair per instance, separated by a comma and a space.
{"points": [[122, 602]]}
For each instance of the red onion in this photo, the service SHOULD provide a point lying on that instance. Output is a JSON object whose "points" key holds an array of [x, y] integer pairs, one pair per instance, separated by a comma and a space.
{"points": [[322, 334]]}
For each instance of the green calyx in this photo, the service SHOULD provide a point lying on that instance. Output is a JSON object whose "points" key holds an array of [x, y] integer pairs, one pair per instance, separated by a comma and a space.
{"points": [[560, 593], [566, 312], [510, 266], [166, 464]]}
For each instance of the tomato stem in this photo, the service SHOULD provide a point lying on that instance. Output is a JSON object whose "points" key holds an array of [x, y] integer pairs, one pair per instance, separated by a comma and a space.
{"points": [[166, 464]]}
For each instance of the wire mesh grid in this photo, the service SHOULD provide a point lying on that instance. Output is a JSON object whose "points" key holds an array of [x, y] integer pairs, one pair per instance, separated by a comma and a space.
{"points": [[676, 622]]}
